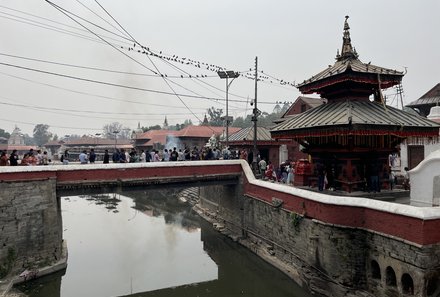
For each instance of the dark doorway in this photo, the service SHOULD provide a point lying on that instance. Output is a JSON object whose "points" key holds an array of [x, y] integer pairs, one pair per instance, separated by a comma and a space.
{"points": [[416, 153]]}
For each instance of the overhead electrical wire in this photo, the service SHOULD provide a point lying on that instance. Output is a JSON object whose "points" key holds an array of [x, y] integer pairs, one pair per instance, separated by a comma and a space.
{"points": [[165, 80], [217, 99], [110, 24], [52, 28], [56, 30], [147, 49], [83, 111], [108, 83], [97, 40], [67, 13], [54, 126], [249, 75], [52, 21], [90, 94], [118, 85]]}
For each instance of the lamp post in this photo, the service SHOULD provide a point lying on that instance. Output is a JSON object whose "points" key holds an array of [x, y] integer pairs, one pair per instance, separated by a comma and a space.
{"points": [[226, 75], [256, 113]]}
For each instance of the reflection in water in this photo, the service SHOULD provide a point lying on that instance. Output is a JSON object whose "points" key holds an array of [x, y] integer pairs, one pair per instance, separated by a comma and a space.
{"points": [[152, 244]]}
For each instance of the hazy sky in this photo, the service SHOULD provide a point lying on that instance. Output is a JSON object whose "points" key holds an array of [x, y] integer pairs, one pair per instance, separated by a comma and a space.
{"points": [[292, 39]]}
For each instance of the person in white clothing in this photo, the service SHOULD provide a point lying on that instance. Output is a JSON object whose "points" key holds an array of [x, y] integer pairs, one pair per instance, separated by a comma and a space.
{"points": [[181, 156], [143, 156], [83, 159]]}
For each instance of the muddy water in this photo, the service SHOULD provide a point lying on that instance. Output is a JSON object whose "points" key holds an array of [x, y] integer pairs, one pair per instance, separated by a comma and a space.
{"points": [[152, 244]]}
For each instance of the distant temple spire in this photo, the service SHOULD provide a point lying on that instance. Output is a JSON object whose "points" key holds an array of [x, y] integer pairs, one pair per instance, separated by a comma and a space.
{"points": [[165, 124], [347, 52], [205, 121]]}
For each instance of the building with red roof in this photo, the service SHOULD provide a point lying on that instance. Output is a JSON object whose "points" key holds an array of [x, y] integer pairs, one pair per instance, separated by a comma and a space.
{"points": [[153, 139], [198, 136]]}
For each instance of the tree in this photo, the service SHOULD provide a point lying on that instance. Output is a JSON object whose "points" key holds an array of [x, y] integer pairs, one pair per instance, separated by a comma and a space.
{"points": [[125, 133], [178, 127], [264, 120], [240, 123], [116, 129], [155, 127], [41, 134], [28, 140], [215, 116], [4, 134]]}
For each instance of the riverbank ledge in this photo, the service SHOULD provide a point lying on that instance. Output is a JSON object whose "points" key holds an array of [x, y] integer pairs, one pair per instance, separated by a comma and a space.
{"points": [[7, 284]]}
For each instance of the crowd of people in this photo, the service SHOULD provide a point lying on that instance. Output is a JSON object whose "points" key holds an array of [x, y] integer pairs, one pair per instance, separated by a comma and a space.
{"points": [[285, 173], [30, 158], [134, 156]]}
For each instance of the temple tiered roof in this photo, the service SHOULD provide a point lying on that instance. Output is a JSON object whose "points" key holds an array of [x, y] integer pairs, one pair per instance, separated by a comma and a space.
{"points": [[348, 68], [347, 85]]}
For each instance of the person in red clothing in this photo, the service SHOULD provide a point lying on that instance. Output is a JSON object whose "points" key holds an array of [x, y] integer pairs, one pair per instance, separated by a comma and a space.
{"points": [[4, 159], [270, 174]]}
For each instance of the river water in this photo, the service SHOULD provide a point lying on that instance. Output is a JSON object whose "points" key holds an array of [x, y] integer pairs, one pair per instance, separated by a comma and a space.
{"points": [[150, 243]]}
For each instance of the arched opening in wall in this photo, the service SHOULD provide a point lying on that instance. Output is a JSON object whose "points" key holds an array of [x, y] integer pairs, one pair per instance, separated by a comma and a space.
{"points": [[375, 270], [391, 277], [407, 284]]}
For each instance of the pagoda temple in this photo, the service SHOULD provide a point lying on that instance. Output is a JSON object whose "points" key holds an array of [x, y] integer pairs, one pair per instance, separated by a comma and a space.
{"points": [[351, 136]]}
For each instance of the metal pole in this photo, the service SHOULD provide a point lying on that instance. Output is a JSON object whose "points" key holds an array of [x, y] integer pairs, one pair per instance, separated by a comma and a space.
{"points": [[226, 75], [227, 113], [255, 119]]}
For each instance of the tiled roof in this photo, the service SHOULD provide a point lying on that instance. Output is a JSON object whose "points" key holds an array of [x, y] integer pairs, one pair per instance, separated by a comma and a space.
{"points": [[313, 102], [248, 134], [203, 131], [310, 101], [8, 147], [155, 136], [432, 98], [86, 141], [54, 143], [356, 114], [354, 65], [284, 118], [92, 141], [154, 133]]}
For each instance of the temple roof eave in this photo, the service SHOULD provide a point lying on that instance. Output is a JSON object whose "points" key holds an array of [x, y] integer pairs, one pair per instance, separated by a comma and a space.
{"points": [[350, 114], [388, 78], [358, 130]]}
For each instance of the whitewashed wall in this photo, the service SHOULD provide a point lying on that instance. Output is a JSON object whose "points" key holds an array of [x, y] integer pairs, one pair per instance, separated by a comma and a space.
{"points": [[425, 181]]}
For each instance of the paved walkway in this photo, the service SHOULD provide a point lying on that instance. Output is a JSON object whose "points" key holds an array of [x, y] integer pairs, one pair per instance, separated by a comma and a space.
{"points": [[396, 195]]}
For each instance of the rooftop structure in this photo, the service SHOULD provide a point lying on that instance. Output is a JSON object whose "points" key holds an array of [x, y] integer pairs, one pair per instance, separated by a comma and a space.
{"points": [[428, 100]]}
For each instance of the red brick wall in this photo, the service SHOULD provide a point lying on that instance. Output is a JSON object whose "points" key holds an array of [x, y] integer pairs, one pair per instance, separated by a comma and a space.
{"points": [[405, 227]]}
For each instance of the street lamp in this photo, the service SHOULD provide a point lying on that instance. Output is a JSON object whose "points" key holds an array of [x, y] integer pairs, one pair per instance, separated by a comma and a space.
{"points": [[226, 75]]}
